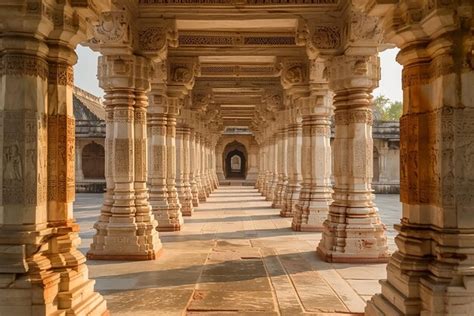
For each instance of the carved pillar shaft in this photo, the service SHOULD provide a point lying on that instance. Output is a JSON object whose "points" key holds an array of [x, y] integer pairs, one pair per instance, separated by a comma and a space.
{"points": [[192, 168], [175, 217], [126, 227], [293, 187], [281, 149], [202, 179], [205, 167], [182, 170], [157, 122], [353, 231], [315, 196], [273, 163]]}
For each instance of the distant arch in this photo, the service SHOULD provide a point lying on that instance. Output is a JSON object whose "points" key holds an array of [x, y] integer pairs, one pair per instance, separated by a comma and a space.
{"points": [[93, 161], [235, 160]]}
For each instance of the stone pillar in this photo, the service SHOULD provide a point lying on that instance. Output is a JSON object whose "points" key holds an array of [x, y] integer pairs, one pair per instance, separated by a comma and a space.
{"points": [[261, 167], [281, 148], [253, 170], [431, 272], [41, 269], [126, 227], [292, 193], [205, 167], [201, 179], [353, 231], [273, 162], [315, 196], [218, 160], [157, 122], [215, 180], [193, 168], [174, 206], [182, 170]]}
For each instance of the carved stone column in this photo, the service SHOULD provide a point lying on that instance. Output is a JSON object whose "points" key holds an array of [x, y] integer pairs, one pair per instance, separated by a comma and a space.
{"points": [[174, 206], [261, 167], [293, 188], [281, 148], [201, 178], [205, 166], [182, 170], [315, 196], [126, 227], [353, 231], [193, 168], [157, 122], [218, 160], [431, 272], [273, 163], [42, 271]]}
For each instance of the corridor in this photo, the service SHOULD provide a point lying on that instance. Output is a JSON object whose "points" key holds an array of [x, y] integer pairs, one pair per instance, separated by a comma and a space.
{"points": [[234, 256]]}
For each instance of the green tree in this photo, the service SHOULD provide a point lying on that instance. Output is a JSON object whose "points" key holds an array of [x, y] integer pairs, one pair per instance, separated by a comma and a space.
{"points": [[386, 110], [394, 111]]}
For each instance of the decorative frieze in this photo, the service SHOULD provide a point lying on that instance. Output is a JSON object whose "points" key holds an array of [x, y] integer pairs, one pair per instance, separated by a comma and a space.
{"points": [[238, 2], [24, 65], [232, 39]]}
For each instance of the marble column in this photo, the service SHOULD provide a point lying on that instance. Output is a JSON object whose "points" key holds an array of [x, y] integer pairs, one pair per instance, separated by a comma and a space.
{"points": [[182, 170], [41, 269], [353, 231], [312, 207], [126, 229], [205, 167], [261, 167], [293, 188], [268, 168], [174, 206], [218, 161], [157, 122], [193, 168], [200, 179], [282, 151], [431, 271]]}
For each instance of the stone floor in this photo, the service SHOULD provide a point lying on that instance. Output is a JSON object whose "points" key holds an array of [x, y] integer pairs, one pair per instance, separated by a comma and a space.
{"points": [[235, 256]]}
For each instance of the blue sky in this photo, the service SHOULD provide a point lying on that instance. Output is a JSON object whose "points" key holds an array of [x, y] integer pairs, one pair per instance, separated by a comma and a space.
{"points": [[85, 74]]}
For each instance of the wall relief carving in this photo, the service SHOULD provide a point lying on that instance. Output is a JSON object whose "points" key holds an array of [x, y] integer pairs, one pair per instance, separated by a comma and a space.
{"points": [[326, 37]]}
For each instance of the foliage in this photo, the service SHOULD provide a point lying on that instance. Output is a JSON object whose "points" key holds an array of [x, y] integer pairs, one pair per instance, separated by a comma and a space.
{"points": [[387, 110]]}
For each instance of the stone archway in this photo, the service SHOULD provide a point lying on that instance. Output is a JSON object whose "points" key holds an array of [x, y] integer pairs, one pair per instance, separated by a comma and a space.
{"points": [[235, 165], [93, 161], [232, 150]]}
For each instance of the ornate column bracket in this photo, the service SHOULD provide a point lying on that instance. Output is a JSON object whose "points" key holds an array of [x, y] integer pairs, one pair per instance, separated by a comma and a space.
{"points": [[353, 231]]}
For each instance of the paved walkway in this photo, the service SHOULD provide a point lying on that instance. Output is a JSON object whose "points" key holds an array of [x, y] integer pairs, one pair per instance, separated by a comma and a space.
{"points": [[235, 256]]}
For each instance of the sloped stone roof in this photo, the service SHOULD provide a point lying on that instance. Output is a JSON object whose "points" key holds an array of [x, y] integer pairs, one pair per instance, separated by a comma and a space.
{"points": [[89, 113]]}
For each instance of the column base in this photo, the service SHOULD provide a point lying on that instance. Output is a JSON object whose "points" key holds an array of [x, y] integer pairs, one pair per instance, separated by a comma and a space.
{"points": [[174, 228], [306, 227], [195, 202], [123, 257], [285, 212], [341, 257]]}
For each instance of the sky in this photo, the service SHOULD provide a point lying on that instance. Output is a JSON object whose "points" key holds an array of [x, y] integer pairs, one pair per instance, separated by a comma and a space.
{"points": [[85, 74]]}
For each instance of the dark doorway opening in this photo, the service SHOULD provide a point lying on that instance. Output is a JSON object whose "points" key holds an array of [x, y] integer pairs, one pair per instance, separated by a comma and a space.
{"points": [[235, 163]]}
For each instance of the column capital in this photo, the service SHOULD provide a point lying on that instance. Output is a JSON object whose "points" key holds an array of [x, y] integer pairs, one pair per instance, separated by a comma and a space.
{"points": [[130, 72], [349, 72]]}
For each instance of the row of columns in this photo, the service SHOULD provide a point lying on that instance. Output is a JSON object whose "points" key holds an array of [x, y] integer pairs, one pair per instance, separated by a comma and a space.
{"points": [[295, 167]]}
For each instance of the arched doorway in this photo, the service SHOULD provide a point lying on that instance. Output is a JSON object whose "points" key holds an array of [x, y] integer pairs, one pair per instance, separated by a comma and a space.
{"points": [[235, 161], [235, 164], [93, 161]]}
